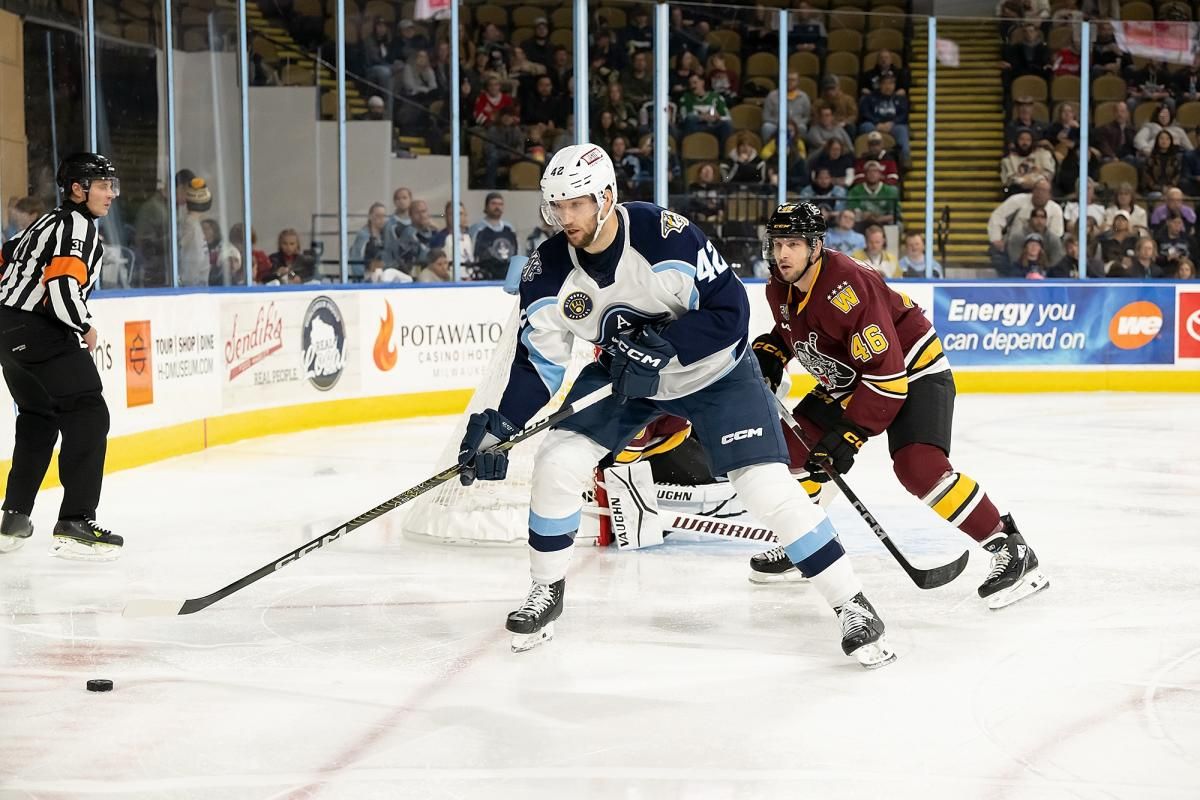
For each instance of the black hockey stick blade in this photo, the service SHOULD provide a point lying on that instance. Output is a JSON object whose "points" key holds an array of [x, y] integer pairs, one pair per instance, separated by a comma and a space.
{"points": [[166, 607], [923, 578]]}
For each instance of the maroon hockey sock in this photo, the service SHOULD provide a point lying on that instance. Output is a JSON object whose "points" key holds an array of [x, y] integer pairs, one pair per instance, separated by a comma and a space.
{"points": [[927, 474]]}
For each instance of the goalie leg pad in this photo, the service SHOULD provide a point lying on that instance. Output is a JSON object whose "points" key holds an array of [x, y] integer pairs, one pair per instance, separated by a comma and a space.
{"points": [[633, 506]]}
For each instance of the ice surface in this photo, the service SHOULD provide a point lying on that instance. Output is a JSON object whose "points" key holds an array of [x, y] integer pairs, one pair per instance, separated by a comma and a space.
{"points": [[379, 668]]}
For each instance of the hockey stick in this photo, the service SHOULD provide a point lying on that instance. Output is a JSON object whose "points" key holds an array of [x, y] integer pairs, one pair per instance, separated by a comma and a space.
{"points": [[158, 607], [923, 578]]}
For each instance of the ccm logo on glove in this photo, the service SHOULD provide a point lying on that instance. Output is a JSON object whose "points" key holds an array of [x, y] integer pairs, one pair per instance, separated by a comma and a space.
{"points": [[633, 354]]}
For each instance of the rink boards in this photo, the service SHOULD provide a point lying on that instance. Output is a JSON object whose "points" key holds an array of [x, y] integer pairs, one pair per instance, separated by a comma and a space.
{"points": [[185, 371]]}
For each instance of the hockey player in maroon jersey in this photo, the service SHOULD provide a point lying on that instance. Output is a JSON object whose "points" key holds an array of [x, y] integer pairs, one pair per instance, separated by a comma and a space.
{"points": [[880, 369]]}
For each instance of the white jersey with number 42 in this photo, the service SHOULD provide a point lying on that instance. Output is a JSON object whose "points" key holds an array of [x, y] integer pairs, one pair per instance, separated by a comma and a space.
{"points": [[661, 271]]}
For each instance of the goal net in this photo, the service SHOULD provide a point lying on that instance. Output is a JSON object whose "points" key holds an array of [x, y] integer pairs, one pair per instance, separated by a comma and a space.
{"points": [[489, 512]]}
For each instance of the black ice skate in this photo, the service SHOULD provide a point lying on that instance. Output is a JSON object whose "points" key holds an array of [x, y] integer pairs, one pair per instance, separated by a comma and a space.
{"points": [[1014, 574], [84, 540], [533, 623], [862, 633], [773, 566], [15, 528]]}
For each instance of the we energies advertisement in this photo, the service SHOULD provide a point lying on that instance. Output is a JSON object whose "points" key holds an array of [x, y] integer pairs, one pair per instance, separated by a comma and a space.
{"points": [[1047, 325]]}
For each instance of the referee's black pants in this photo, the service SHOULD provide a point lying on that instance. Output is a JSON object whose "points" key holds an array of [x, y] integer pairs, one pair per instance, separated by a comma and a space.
{"points": [[56, 387]]}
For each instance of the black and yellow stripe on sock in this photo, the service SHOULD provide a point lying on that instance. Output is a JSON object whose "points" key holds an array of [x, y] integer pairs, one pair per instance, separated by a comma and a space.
{"points": [[954, 497]]}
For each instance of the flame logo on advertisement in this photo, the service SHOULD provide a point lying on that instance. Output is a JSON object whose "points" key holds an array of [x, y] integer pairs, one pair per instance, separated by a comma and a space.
{"points": [[385, 354]]}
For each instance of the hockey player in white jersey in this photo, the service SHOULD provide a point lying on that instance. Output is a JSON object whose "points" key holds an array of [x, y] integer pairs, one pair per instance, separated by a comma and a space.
{"points": [[671, 318]]}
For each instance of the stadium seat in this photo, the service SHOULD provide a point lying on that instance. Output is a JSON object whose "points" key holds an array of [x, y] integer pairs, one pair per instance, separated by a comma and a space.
{"points": [[494, 15], [886, 38], [1065, 87], [562, 18], [525, 16], [764, 65], [728, 41], [1109, 87], [746, 117], [1137, 11], [886, 17], [842, 64], [616, 16], [845, 41], [1104, 113], [1188, 115], [524, 175], [1114, 173], [809, 87], [805, 63], [700, 146], [1059, 38], [1032, 86], [850, 20]]}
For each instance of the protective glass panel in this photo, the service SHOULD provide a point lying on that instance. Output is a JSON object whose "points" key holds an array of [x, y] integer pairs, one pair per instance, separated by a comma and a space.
{"points": [[208, 143]]}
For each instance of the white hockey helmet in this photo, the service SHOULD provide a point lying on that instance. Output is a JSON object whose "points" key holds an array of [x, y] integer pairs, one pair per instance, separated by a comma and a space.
{"points": [[579, 170]]}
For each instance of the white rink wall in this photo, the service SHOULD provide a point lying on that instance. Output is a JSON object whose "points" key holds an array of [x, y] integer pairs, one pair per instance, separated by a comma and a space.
{"points": [[184, 371]]}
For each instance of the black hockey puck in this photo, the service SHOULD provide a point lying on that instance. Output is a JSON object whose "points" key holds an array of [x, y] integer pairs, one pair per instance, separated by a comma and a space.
{"points": [[99, 685]]}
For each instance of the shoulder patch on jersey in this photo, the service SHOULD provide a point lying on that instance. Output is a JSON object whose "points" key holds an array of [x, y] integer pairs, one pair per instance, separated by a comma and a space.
{"points": [[77, 248], [784, 312], [843, 297], [533, 267], [577, 305], [672, 223]]}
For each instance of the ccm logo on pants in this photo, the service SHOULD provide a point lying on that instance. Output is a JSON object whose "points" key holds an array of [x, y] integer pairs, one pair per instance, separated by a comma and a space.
{"points": [[738, 436]]}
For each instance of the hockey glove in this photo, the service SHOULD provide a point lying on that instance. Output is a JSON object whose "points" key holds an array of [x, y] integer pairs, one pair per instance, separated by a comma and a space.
{"points": [[637, 363], [772, 358], [485, 430], [837, 449]]}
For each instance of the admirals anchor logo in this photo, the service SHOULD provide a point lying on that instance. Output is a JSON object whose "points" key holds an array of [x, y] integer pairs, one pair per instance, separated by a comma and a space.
{"points": [[577, 305], [829, 372], [533, 267]]}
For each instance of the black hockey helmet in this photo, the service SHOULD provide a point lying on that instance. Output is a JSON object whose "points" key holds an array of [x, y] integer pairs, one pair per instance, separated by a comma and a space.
{"points": [[83, 168], [790, 221]]}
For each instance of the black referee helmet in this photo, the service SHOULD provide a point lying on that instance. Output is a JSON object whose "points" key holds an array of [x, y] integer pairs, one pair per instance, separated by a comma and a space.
{"points": [[83, 168]]}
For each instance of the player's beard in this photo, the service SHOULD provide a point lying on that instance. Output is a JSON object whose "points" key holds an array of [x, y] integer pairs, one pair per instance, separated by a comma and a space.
{"points": [[584, 234]]}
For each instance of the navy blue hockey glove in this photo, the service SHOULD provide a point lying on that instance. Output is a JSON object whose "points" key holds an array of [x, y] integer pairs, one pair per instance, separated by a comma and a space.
{"points": [[837, 448], [772, 357], [639, 360], [485, 430]]}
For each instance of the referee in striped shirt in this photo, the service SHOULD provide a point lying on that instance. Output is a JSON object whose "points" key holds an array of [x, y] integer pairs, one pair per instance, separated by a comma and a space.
{"points": [[46, 337]]}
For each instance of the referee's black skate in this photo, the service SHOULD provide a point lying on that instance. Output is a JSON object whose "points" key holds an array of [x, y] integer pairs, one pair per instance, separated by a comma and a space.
{"points": [[15, 528], [84, 540], [533, 623], [773, 566], [862, 633], [1014, 574]]}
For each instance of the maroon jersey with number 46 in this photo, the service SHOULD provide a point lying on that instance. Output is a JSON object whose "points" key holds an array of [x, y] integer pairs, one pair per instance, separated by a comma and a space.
{"points": [[863, 341]]}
